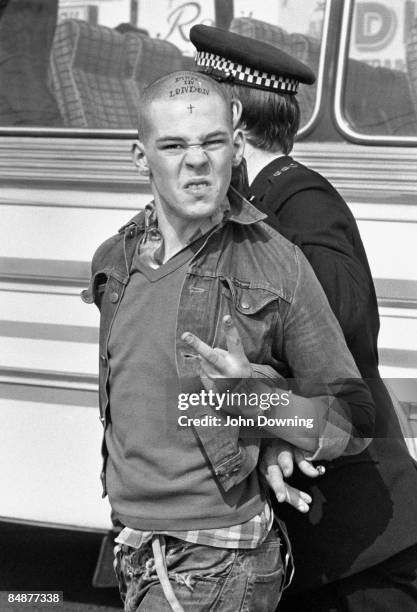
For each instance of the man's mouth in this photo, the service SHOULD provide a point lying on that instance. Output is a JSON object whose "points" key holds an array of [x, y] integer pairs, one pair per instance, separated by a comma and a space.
{"points": [[196, 185]]}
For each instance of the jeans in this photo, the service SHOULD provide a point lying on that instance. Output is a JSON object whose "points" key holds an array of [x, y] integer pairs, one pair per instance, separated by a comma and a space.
{"points": [[204, 578]]}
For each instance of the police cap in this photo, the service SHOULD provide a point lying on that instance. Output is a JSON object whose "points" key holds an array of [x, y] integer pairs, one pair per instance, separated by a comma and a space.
{"points": [[230, 57]]}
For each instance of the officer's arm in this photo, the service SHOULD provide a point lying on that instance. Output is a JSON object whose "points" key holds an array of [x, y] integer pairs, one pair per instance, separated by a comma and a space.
{"points": [[314, 221], [320, 362]]}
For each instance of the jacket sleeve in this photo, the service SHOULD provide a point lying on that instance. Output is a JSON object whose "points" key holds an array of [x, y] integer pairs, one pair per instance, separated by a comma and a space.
{"points": [[321, 364], [313, 220]]}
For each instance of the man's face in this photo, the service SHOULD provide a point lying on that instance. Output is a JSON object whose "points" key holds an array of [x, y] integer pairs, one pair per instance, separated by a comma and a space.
{"points": [[189, 182]]}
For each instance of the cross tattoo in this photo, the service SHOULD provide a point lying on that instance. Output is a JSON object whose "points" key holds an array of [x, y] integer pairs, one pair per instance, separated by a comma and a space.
{"points": [[190, 108]]}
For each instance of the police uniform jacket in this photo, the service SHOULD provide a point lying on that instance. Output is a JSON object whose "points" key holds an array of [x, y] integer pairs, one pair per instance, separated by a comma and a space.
{"points": [[365, 508]]}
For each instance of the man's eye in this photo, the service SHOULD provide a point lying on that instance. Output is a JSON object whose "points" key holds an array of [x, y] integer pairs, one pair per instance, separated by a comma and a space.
{"points": [[172, 147], [214, 144]]}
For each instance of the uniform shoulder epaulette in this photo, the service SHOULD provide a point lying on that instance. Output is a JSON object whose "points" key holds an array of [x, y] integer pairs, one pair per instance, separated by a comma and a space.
{"points": [[298, 177], [289, 166]]}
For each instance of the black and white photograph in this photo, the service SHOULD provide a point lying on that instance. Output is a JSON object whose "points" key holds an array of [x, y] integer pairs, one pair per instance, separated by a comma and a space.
{"points": [[208, 305]]}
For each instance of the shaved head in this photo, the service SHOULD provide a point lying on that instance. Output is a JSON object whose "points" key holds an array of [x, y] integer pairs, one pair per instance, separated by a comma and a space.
{"points": [[187, 86], [187, 146]]}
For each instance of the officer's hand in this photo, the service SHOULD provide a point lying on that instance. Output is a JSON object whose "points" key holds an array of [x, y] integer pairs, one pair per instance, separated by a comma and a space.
{"points": [[216, 363], [277, 463]]}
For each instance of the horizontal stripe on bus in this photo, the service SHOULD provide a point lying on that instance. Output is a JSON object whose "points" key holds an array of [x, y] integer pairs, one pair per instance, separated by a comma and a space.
{"points": [[392, 288], [52, 378], [50, 271], [46, 271], [403, 304], [48, 395], [70, 333], [49, 331], [396, 293], [400, 358]]}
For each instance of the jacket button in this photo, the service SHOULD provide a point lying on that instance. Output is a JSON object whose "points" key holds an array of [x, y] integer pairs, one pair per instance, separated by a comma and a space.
{"points": [[103, 359], [245, 305], [114, 296]]}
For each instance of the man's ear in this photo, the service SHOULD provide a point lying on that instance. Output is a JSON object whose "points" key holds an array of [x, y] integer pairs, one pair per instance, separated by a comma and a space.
{"points": [[237, 109], [238, 147], [139, 158]]}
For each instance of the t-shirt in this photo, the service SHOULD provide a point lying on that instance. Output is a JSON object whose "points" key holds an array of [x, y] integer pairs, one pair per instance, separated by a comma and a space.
{"points": [[157, 476]]}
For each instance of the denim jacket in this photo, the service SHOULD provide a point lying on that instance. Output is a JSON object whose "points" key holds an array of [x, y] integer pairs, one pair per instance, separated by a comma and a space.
{"points": [[248, 270]]}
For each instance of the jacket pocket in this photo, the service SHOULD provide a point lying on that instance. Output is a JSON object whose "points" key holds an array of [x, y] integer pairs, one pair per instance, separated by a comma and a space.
{"points": [[249, 300], [254, 311]]}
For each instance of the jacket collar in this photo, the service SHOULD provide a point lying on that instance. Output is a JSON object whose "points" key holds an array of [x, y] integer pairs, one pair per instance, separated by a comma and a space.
{"points": [[241, 211]]}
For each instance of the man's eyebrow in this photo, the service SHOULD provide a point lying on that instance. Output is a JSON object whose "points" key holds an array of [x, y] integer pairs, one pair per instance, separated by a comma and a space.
{"points": [[215, 134], [166, 138]]}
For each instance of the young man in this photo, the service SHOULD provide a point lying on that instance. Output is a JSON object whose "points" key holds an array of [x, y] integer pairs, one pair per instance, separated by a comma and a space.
{"points": [[357, 548], [190, 295]]}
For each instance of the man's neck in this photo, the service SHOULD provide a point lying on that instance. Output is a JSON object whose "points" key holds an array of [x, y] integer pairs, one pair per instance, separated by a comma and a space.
{"points": [[175, 232], [257, 159]]}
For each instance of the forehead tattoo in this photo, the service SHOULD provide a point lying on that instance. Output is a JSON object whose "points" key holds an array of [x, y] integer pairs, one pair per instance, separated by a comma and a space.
{"points": [[185, 85]]}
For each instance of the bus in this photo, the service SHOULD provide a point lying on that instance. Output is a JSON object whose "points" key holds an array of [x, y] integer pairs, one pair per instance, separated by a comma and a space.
{"points": [[71, 73]]}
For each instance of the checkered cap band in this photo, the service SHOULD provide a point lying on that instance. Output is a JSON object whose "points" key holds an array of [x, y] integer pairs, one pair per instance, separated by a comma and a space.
{"points": [[245, 74]]}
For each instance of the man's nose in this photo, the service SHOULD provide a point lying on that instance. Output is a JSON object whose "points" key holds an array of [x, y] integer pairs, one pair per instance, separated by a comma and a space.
{"points": [[196, 156]]}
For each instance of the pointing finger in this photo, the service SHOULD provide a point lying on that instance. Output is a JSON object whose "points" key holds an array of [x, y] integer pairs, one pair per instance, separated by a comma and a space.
{"points": [[233, 341]]}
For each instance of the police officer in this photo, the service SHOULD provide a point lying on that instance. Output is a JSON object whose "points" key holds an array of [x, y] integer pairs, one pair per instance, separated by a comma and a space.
{"points": [[356, 550]]}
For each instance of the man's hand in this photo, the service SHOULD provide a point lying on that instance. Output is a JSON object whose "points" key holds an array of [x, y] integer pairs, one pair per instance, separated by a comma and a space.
{"points": [[217, 363], [277, 463]]}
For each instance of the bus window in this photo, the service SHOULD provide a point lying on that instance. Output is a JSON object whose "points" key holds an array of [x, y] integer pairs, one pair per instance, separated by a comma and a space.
{"points": [[82, 65], [26, 35], [379, 93]]}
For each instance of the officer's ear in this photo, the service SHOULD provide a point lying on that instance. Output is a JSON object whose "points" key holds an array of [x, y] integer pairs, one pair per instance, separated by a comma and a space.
{"points": [[238, 146], [139, 158], [236, 112]]}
